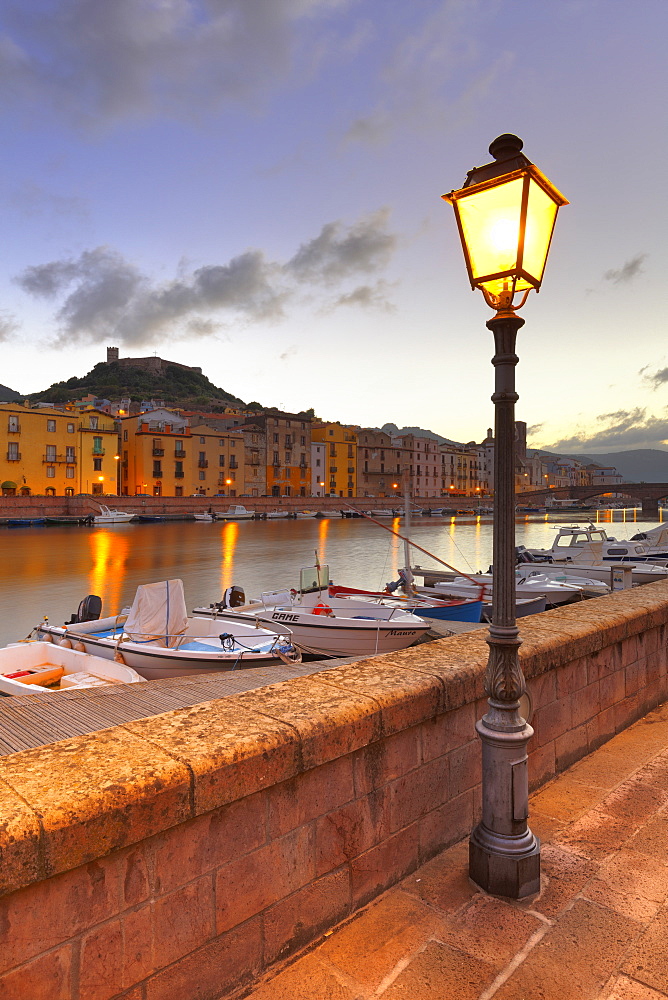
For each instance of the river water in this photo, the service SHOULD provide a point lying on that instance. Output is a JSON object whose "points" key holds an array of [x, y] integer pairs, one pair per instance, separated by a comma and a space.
{"points": [[47, 570]]}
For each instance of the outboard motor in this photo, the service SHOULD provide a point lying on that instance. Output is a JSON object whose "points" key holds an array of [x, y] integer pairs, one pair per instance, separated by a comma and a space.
{"points": [[89, 610], [233, 597]]}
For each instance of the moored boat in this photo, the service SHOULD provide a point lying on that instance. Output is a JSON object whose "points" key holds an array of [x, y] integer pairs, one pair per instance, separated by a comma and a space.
{"points": [[41, 667], [108, 516], [158, 639]]}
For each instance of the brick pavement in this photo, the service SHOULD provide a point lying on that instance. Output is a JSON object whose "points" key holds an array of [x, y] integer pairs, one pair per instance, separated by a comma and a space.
{"points": [[598, 930]]}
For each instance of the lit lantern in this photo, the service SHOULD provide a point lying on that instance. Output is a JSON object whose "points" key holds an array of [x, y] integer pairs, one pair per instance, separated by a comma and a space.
{"points": [[506, 213]]}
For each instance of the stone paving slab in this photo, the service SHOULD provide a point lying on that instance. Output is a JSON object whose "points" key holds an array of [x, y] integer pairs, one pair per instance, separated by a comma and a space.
{"points": [[598, 929]]}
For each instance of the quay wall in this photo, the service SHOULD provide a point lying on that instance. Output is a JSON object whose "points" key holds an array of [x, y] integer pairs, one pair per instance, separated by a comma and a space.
{"points": [[40, 506], [180, 856]]}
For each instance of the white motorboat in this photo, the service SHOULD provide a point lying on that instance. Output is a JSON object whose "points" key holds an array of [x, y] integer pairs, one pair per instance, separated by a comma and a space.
{"points": [[158, 639], [107, 516], [236, 512], [555, 592], [320, 624], [572, 540], [205, 517], [41, 667], [588, 561], [273, 515]]}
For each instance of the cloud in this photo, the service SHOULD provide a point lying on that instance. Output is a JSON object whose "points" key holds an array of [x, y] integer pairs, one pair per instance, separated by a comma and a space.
{"points": [[621, 430], [432, 76], [105, 61], [366, 296], [628, 271], [655, 380], [101, 294], [8, 326], [339, 252]]}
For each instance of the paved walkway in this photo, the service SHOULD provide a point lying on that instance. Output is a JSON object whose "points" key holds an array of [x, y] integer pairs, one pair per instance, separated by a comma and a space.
{"points": [[598, 930]]}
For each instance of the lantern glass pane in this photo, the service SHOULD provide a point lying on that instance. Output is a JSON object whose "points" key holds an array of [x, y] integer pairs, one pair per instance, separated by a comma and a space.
{"points": [[490, 221], [541, 213]]}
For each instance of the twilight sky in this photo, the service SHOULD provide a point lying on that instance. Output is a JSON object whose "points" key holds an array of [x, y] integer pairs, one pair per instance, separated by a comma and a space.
{"points": [[253, 186]]}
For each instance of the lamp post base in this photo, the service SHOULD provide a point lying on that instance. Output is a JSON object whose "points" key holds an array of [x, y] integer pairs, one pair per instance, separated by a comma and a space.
{"points": [[504, 874], [504, 855]]}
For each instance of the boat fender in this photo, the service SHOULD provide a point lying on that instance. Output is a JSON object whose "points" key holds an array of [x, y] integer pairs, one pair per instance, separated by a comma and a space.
{"points": [[65, 643], [322, 609], [80, 647], [47, 637], [227, 640]]}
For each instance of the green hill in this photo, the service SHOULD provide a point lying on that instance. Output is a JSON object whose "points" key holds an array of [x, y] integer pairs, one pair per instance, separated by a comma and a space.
{"points": [[111, 380]]}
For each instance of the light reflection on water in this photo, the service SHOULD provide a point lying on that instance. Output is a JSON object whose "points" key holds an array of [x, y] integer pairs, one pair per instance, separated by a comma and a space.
{"points": [[47, 570]]}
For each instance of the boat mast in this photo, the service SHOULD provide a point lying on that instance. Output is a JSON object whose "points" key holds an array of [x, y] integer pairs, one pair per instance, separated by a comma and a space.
{"points": [[408, 573]]}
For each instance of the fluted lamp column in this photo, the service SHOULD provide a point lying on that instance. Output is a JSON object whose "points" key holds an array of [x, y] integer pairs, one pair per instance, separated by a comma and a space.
{"points": [[505, 212]]}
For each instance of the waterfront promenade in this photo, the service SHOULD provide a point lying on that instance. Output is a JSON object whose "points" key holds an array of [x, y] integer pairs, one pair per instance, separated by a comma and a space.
{"points": [[597, 931], [188, 854]]}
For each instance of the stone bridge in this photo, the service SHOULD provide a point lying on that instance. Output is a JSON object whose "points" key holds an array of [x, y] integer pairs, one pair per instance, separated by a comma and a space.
{"points": [[649, 494]]}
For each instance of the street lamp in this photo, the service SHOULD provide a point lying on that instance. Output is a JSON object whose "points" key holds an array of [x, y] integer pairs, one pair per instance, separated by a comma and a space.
{"points": [[505, 213]]}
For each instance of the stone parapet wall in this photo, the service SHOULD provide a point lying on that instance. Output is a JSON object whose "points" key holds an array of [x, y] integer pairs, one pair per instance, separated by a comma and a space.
{"points": [[181, 855]]}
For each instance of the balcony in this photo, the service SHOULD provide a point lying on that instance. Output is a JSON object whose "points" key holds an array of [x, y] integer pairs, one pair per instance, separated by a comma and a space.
{"points": [[179, 475], [333, 468], [59, 459], [158, 452], [15, 429], [179, 454], [98, 452], [13, 456], [233, 464], [203, 464]]}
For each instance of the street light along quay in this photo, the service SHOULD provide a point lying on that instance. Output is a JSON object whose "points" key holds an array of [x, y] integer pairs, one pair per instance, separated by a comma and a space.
{"points": [[505, 212]]}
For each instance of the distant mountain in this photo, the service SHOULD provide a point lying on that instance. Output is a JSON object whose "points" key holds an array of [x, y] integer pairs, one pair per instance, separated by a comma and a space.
{"points": [[640, 465], [174, 384], [9, 395], [394, 431]]}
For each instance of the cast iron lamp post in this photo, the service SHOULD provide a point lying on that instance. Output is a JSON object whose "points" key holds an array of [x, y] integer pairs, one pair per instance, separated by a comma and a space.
{"points": [[505, 213]]}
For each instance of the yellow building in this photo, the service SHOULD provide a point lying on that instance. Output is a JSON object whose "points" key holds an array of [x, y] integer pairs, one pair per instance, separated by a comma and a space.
{"points": [[340, 470], [57, 452]]}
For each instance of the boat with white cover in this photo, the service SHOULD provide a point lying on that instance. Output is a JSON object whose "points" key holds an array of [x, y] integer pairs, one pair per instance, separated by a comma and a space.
{"points": [[158, 639], [42, 667]]}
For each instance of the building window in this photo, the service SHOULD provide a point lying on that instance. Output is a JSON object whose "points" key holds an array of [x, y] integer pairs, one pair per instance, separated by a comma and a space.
{"points": [[13, 451], [202, 440], [221, 461], [276, 459], [97, 446], [125, 435], [157, 469], [69, 473], [13, 425], [69, 453], [178, 491], [70, 428], [51, 453], [50, 472], [202, 474], [93, 423], [97, 465], [51, 426], [302, 440]]}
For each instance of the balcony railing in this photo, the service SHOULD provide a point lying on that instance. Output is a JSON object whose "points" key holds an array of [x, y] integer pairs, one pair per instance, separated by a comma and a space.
{"points": [[158, 452], [179, 475], [333, 468], [59, 459], [14, 456], [179, 454], [99, 451], [233, 464], [15, 429], [203, 464]]}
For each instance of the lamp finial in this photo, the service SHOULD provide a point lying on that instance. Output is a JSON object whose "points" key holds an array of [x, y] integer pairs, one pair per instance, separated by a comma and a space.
{"points": [[505, 146]]}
